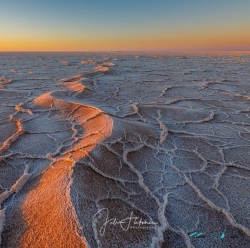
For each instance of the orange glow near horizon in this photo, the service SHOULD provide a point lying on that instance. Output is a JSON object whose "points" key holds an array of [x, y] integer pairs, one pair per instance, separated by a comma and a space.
{"points": [[196, 40]]}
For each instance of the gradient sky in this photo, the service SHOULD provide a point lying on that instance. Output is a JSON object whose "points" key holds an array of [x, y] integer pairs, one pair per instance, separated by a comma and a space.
{"points": [[108, 25]]}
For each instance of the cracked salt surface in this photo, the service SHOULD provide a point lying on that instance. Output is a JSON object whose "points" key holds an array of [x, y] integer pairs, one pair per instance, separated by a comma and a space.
{"points": [[163, 138]]}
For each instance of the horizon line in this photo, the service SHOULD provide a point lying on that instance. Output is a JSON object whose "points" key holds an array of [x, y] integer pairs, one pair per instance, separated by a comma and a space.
{"points": [[121, 51]]}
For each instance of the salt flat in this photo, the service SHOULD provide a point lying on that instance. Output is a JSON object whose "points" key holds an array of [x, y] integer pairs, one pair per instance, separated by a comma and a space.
{"points": [[125, 150]]}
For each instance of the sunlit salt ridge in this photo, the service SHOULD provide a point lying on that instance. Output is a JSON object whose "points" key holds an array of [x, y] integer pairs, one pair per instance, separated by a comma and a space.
{"points": [[56, 204]]}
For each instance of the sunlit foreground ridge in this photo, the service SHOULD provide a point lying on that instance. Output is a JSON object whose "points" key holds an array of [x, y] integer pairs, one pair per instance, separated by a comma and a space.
{"points": [[55, 225], [124, 150]]}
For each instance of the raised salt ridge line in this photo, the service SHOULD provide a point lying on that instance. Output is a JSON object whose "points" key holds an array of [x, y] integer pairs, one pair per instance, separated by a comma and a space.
{"points": [[16, 187], [164, 129], [6, 144], [4, 81], [74, 83], [21, 109], [157, 241], [7, 193], [2, 221], [13, 137], [164, 225], [102, 68], [56, 224]]}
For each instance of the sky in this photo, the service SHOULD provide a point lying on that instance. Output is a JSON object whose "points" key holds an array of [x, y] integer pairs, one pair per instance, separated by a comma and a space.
{"points": [[130, 25]]}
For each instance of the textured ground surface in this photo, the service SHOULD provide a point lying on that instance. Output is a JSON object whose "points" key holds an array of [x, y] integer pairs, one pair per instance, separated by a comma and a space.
{"points": [[125, 150]]}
